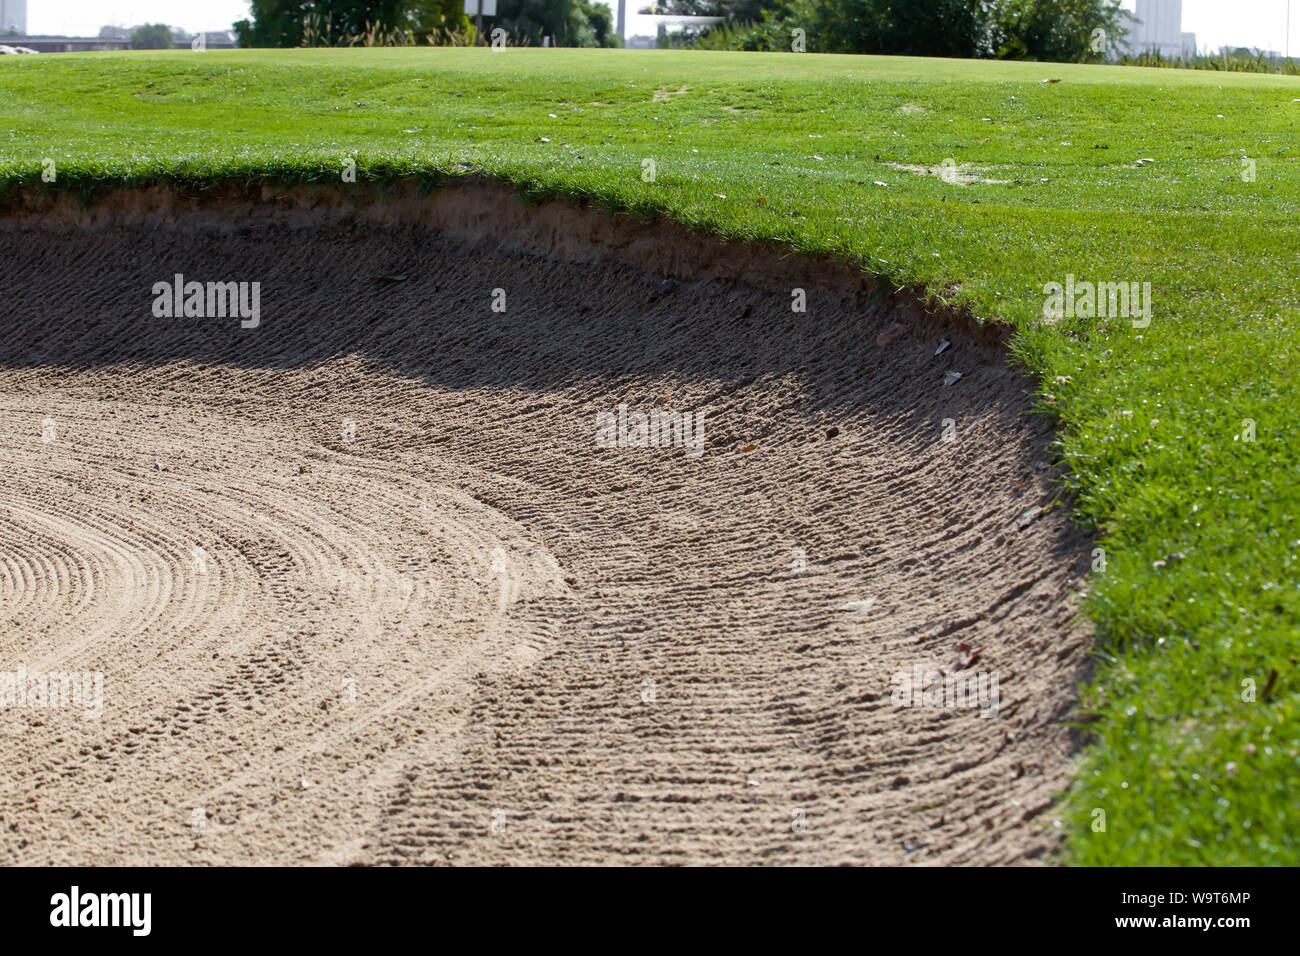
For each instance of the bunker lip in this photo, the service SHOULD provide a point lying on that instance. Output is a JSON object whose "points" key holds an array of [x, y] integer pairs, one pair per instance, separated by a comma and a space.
{"points": [[474, 208], [438, 621]]}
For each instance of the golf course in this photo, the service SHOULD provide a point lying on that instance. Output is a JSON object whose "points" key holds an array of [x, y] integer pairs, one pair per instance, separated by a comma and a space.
{"points": [[436, 619]]}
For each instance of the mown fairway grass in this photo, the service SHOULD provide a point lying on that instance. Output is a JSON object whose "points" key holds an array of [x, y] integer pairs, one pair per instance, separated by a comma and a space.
{"points": [[1199, 589]]}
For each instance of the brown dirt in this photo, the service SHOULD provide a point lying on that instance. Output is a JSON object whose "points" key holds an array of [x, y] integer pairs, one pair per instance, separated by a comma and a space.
{"points": [[470, 635]]}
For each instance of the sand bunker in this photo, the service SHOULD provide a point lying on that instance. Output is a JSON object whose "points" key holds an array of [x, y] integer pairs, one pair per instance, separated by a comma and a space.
{"points": [[363, 587]]}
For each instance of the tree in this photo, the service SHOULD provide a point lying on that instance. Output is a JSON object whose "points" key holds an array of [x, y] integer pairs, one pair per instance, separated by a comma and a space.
{"points": [[275, 23], [601, 18], [1068, 30], [291, 23], [152, 36], [772, 33], [958, 28], [1064, 31], [288, 23], [438, 22], [736, 11], [567, 22]]}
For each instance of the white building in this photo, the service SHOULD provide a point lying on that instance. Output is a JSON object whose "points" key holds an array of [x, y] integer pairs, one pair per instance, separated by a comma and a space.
{"points": [[1157, 27], [13, 16]]}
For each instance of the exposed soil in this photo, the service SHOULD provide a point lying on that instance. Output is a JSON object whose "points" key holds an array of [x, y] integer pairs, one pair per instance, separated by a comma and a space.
{"points": [[456, 629]]}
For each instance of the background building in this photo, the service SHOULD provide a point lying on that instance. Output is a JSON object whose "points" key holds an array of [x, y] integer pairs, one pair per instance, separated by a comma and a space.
{"points": [[1157, 27], [13, 16]]}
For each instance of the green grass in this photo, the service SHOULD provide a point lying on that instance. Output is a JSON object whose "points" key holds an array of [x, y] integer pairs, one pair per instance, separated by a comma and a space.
{"points": [[1199, 591]]}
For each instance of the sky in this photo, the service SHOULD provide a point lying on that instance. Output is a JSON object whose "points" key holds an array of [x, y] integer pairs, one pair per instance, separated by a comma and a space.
{"points": [[1254, 23]]}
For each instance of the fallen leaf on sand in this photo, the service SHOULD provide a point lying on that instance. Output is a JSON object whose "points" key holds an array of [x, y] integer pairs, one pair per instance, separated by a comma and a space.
{"points": [[749, 447], [892, 332], [967, 657], [1029, 517], [866, 604]]}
